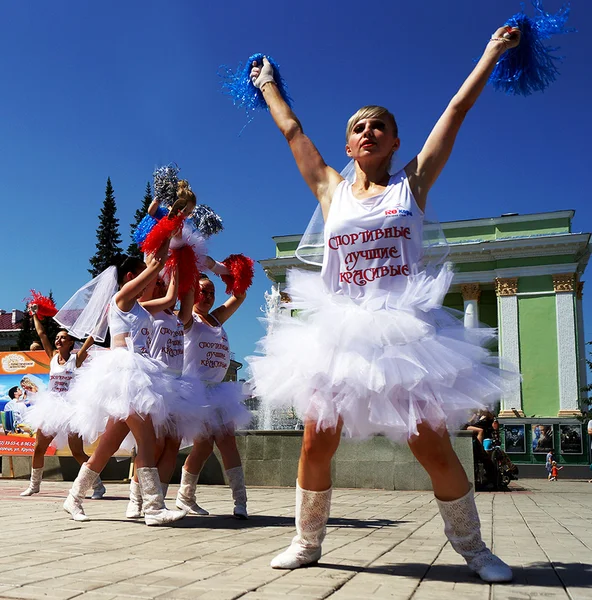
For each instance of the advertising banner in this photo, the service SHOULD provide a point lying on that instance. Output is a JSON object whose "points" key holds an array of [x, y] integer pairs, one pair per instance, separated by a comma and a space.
{"points": [[22, 375]]}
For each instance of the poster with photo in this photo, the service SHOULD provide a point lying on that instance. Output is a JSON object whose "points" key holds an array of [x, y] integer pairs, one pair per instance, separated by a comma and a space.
{"points": [[22, 376], [570, 437], [515, 439], [542, 438]]}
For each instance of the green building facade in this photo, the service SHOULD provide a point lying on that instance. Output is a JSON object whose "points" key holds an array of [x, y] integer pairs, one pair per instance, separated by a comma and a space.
{"points": [[523, 275]]}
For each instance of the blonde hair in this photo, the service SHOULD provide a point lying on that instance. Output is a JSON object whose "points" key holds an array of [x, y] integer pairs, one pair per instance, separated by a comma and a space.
{"points": [[184, 192], [371, 112]]}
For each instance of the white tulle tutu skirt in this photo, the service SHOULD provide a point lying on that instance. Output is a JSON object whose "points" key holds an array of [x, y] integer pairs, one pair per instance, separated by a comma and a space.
{"points": [[116, 384], [224, 412], [382, 365], [51, 414], [191, 237], [188, 408]]}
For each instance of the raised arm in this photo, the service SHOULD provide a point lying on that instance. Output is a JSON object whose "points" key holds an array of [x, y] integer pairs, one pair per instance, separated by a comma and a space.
{"points": [[153, 207], [425, 168], [82, 354], [226, 310], [186, 309], [320, 178], [168, 300], [47, 346], [127, 295]]}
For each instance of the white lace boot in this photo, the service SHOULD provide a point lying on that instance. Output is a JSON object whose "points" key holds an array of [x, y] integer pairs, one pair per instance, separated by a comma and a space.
{"points": [[34, 482], [99, 490], [83, 482], [186, 494], [463, 528], [134, 506], [155, 512], [312, 514], [236, 481]]}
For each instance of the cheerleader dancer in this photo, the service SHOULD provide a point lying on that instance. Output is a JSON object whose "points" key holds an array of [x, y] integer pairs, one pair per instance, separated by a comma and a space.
{"points": [[185, 410], [51, 413], [124, 389], [153, 227], [375, 352], [207, 356]]}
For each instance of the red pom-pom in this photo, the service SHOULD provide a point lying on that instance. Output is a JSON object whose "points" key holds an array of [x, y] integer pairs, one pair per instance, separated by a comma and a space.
{"points": [[160, 233], [184, 259], [241, 273], [45, 306]]}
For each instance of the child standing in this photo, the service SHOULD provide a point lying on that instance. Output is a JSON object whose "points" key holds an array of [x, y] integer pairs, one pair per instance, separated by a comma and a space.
{"points": [[554, 471]]}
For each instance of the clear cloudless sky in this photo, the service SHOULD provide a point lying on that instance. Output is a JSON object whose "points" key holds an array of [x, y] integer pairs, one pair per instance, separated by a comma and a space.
{"points": [[112, 88]]}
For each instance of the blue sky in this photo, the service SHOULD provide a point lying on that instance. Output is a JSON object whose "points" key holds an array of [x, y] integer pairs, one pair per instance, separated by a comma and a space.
{"points": [[92, 90]]}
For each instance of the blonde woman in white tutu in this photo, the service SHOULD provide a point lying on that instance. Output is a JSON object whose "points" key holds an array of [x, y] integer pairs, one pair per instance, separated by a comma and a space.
{"points": [[373, 351], [51, 412], [124, 389]]}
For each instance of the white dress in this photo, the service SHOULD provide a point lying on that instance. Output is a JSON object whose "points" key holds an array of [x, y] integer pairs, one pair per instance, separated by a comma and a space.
{"points": [[186, 408], [372, 344], [207, 356], [123, 381], [51, 412]]}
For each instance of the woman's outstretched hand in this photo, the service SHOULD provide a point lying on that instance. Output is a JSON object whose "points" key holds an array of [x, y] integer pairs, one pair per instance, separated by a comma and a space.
{"points": [[262, 74], [507, 37]]}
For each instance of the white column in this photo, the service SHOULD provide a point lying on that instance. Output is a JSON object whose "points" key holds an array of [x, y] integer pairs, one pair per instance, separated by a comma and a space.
{"points": [[471, 293], [569, 392], [581, 338], [509, 341]]}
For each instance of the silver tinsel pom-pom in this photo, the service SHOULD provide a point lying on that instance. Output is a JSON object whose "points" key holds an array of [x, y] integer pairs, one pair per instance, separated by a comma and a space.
{"points": [[206, 220], [166, 180]]}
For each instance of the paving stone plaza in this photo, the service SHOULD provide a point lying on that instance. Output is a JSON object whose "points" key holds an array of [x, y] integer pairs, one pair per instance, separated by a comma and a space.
{"points": [[380, 544]]}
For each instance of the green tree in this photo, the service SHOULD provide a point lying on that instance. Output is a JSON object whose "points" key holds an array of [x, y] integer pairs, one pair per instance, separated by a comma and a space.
{"points": [[586, 403], [133, 249], [108, 237], [27, 334]]}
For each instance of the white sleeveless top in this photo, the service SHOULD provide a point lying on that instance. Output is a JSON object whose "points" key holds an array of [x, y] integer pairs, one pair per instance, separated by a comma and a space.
{"points": [[137, 323], [207, 354], [372, 244], [168, 341], [60, 376]]}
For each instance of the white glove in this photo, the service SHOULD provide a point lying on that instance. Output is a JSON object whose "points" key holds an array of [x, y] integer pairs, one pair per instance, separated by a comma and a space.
{"points": [[219, 268], [262, 75]]}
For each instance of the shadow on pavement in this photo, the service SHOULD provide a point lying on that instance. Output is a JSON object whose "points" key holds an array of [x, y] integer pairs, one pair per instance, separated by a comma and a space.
{"points": [[571, 575], [229, 522]]}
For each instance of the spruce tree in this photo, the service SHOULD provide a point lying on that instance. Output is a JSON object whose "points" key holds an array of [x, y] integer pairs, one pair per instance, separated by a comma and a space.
{"points": [[27, 335], [132, 249], [108, 237], [586, 402]]}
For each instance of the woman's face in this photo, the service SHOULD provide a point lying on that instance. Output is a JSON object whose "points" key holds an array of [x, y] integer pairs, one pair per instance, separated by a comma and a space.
{"points": [[63, 340], [28, 385], [372, 138], [206, 297]]}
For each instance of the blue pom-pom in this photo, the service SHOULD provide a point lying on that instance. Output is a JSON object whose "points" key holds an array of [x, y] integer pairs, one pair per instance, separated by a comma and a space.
{"points": [[238, 85], [166, 180], [147, 223], [531, 66], [206, 220]]}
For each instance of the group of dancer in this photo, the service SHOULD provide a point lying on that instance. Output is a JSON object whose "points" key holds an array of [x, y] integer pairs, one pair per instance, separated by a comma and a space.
{"points": [[159, 386], [372, 350]]}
